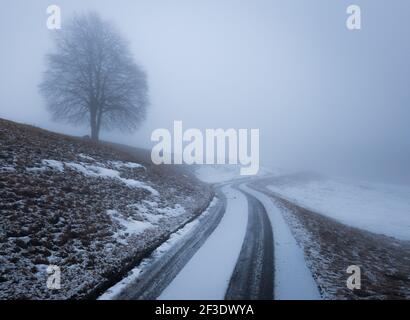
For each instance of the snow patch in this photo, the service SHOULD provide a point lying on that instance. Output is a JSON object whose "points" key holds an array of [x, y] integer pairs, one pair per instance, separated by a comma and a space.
{"points": [[176, 211], [97, 171], [129, 227], [153, 213], [84, 156], [129, 165], [48, 164], [36, 169], [7, 169], [54, 164], [138, 184]]}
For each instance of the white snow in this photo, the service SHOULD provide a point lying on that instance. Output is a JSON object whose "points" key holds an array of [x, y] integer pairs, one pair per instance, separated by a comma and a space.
{"points": [[383, 209], [156, 254], [98, 171], [54, 164], [129, 165], [130, 227], [150, 203], [139, 184], [140, 207], [93, 171], [151, 212], [84, 156], [36, 169], [217, 173], [293, 279], [176, 211], [207, 275], [7, 169], [48, 164], [226, 173]]}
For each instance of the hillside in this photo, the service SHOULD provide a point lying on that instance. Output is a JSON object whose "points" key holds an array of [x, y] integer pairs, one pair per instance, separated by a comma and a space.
{"points": [[93, 209]]}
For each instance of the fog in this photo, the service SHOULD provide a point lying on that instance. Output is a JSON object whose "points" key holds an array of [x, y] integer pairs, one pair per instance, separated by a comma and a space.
{"points": [[320, 94]]}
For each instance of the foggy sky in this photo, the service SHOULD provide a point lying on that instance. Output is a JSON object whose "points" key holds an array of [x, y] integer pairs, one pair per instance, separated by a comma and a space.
{"points": [[290, 68]]}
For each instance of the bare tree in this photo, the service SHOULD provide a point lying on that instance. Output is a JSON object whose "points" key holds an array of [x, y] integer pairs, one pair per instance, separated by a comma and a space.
{"points": [[92, 78]]}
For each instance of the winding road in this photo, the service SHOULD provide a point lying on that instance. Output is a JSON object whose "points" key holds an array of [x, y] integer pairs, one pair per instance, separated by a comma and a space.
{"points": [[238, 250], [252, 278]]}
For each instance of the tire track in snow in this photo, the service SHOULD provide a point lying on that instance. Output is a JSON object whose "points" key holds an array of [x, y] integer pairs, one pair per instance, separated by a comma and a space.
{"points": [[293, 279], [252, 278], [206, 276]]}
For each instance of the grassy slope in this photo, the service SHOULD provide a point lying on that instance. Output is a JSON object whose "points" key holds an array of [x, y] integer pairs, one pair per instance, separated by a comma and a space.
{"points": [[52, 217]]}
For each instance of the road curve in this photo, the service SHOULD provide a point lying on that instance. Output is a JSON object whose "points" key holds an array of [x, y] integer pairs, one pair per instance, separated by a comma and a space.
{"points": [[163, 270], [252, 278]]}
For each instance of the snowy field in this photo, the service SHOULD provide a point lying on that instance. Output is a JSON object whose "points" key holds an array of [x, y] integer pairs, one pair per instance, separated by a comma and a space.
{"points": [[224, 173], [216, 174], [383, 209]]}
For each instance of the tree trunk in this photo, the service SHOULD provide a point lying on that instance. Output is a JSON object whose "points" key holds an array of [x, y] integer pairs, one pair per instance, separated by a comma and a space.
{"points": [[94, 133], [100, 113], [94, 127]]}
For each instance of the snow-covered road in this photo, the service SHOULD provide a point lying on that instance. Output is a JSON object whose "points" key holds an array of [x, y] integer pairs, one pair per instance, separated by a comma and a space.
{"points": [[293, 279], [230, 257], [207, 274]]}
